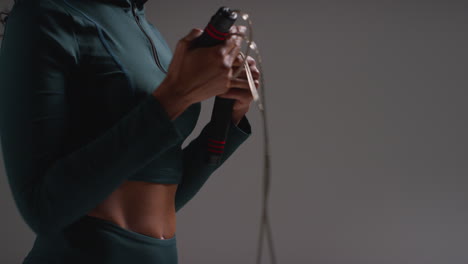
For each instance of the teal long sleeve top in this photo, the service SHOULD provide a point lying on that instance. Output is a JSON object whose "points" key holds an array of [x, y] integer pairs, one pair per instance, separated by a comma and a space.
{"points": [[77, 114]]}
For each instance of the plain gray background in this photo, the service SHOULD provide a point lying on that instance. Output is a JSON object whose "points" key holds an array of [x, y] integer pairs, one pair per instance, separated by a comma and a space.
{"points": [[366, 103]]}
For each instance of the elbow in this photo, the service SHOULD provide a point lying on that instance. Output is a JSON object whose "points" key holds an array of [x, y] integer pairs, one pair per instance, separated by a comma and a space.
{"points": [[39, 221], [39, 228], [44, 224], [39, 216]]}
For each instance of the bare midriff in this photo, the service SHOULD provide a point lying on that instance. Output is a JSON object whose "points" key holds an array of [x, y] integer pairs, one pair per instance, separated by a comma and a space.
{"points": [[143, 207]]}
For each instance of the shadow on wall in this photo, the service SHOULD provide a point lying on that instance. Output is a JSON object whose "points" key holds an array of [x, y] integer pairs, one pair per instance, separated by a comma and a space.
{"points": [[3, 18]]}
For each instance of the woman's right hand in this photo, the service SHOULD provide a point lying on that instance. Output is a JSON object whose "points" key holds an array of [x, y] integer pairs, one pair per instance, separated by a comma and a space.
{"points": [[198, 74]]}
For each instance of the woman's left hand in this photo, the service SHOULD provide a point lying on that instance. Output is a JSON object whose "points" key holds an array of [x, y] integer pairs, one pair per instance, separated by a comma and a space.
{"points": [[240, 89]]}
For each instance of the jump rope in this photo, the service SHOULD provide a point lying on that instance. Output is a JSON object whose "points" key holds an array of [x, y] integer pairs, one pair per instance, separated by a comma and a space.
{"points": [[216, 31]]}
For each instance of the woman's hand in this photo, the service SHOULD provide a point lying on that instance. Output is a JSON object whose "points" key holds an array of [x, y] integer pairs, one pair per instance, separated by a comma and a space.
{"points": [[239, 88], [198, 74]]}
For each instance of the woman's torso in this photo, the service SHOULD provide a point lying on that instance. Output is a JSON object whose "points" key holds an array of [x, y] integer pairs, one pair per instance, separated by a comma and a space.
{"points": [[119, 68], [143, 207]]}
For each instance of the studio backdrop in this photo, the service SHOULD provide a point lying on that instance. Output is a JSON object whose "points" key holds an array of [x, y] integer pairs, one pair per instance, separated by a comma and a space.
{"points": [[367, 113]]}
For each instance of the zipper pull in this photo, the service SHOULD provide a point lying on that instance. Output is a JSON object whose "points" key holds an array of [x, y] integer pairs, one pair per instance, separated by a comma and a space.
{"points": [[134, 9]]}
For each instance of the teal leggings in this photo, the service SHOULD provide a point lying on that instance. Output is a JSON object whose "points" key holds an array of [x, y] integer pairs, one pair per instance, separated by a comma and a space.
{"points": [[94, 240]]}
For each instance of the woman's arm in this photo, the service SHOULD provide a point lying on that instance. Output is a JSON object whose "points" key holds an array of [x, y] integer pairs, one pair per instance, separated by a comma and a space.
{"points": [[196, 171], [52, 190]]}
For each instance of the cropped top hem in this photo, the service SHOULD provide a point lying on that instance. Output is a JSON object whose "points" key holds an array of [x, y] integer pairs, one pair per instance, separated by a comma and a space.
{"points": [[243, 127], [161, 112]]}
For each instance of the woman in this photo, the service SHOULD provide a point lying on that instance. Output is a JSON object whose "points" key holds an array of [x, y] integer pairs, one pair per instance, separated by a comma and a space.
{"points": [[94, 110]]}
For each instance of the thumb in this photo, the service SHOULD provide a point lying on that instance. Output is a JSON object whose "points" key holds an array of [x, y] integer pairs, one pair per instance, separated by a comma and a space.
{"points": [[194, 33], [180, 50]]}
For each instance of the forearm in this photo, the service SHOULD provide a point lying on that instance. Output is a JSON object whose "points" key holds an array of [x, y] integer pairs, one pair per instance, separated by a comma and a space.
{"points": [[173, 104], [196, 170], [51, 190]]}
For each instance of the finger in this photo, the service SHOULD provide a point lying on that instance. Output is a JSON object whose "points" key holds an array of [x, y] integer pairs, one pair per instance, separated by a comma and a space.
{"points": [[255, 72], [182, 46], [242, 83], [241, 95], [240, 61], [243, 74], [193, 34], [238, 30], [236, 34], [229, 43], [233, 53], [233, 44], [251, 61]]}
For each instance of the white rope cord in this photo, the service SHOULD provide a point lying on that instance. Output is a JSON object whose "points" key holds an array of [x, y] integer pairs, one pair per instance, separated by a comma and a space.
{"points": [[250, 78], [264, 223]]}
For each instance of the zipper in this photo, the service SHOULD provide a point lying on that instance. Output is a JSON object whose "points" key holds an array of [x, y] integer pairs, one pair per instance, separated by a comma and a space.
{"points": [[155, 52]]}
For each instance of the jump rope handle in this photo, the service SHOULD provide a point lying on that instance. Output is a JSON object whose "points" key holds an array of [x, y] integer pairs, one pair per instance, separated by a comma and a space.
{"points": [[216, 33]]}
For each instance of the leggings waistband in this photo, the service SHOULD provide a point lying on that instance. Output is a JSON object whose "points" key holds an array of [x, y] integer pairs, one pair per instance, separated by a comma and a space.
{"points": [[93, 240], [138, 237]]}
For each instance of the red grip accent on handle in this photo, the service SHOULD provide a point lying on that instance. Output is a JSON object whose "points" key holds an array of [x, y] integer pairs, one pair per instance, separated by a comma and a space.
{"points": [[213, 35], [217, 31], [216, 141]]}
